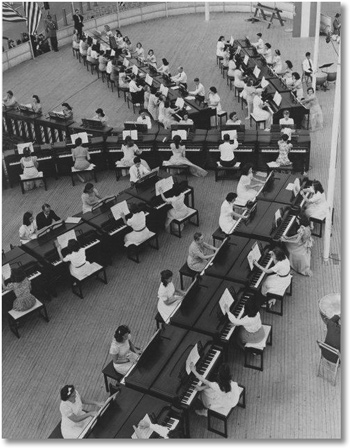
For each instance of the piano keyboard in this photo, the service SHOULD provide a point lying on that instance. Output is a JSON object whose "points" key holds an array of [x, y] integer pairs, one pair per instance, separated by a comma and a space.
{"points": [[171, 423], [292, 151], [14, 163], [204, 370], [115, 150], [236, 150], [284, 227], [84, 246], [162, 204], [34, 275], [262, 187], [258, 274], [117, 229], [230, 328], [97, 151], [64, 156], [238, 222]]}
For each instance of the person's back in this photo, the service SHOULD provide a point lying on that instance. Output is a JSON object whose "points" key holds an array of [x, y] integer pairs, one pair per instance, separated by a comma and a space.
{"points": [[332, 338]]}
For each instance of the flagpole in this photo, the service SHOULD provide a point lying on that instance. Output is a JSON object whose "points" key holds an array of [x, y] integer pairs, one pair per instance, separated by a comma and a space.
{"points": [[31, 46]]}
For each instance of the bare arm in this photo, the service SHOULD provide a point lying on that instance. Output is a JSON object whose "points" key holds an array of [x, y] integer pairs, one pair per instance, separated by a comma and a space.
{"points": [[267, 271], [197, 375]]}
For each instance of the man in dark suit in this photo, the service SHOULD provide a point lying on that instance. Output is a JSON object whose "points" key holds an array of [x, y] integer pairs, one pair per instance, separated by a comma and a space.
{"points": [[78, 23], [46, 217]]}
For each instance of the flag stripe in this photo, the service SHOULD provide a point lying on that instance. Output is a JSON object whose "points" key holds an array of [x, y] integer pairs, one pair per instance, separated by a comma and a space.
{"points": [[33, 14], [10, 15]]}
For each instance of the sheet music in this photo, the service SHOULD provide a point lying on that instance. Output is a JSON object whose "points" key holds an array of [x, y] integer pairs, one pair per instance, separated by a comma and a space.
{"points": [[264, 83], [273, 164], [112, 53], [254, 255], [190, 97], [121, 207], [226, 299], [246, 59], [144, 433], [63, 239], [166, 184], [126, 62], [290, 187], [296, 186], [277, 98], [181, 132], [21, 146], [6, 271], [231, 40], [135, 70], [192, 357], [149, 79], [256, 71], [131, 132], [278, 215], [232, 133], [72, 220], [164, 90], [83, 135], [180, 103]]}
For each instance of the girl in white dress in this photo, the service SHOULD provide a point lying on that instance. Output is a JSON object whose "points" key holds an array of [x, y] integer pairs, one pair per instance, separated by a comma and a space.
{"points": [[231, 66], [165, 67], [220, 395], [168, 296], [277, 62], [214, 102], [130, 151], [227, 214], [246, 188], [153, 102], [268, 53], [220, 46], [140, 52], [297, 86], [238, 74], [74, 418], [287, 76], [123, 352], [179, 209], [28, 230], [30, 167], [179, 157], [79, 267], [258, 111], [316, 206], [137, 222]]}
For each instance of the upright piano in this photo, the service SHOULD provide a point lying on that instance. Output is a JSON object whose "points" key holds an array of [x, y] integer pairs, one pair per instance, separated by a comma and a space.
{"points": [[277, 191]]}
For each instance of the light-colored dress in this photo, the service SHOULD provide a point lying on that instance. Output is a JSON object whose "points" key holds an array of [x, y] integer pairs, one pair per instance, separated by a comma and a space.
{"points": [[78, 267], [316, 115], [258, 111], [70, 429], [30, 170], [245, 193], [238, 82], [298, 86], [130, 152], [278, 67], [284, 149], [24, 299], [220, 48], [278, 282], [161, 112], [226, 221], [153, 106], [287, 77], [165, 293], [179, 209], [195, 257], [89, 200], [27, 232], [299, 248], [81, 158], [178, 158], [168, 119], [317, 207], [215, 399], [140, 232], [122, 349], [250, 328], [231, 67]]}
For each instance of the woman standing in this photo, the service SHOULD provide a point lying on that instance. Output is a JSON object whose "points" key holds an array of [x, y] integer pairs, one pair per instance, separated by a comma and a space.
{"points": [[137, 222], [227, 214], [214, 103], [21, 286], [28, 230], [277, 62], [179, 209], [101, 116], [197, 258], [153, 103], [258, 111], [316, 206], [124, 353], [130, 151], [245, 187], [30, 167], [220, 395], [168, 296], [316, 115], [299, 247], [284, 147], [90, 197], [179, 157], [74, 418], [297, 86], [79, 266], [36, 105], [248, 94]]}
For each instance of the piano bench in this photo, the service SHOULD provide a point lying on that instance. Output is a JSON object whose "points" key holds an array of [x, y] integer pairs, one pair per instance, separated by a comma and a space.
{"points": [[257, 122], [134, 249], [212, 415], [320, 223], [40, 177], [179, 222], [185, 271], [278, 298], [78, 282], [257, 349], [56, 433], [237, 91], [223, 70], [230, 80], [180, 169], [218, 59], [119, 171], [89, 170], [226, 171], [76, 52], [218, 235], [110, 372], [244, 103], [159, 321], [16, 317]]}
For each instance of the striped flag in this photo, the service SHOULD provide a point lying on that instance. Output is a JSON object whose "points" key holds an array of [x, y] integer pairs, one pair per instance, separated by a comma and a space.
{"points": [[10, 15], [33, 13]]}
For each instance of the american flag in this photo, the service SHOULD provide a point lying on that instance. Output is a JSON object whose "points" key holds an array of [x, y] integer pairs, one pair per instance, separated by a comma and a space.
{"points": [[33, 13], [10, 15]]}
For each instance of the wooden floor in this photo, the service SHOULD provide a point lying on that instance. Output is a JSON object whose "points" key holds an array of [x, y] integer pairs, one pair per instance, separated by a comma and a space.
{"points": [[286, 400]]}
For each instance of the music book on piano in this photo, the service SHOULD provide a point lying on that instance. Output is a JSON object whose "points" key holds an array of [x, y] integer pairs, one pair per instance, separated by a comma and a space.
{"points": [[83, 135], [163, 90], [226, 299], [278, 217], [149, 79], [6, 271], [256, 71], [126, 62], [144, 433], [72, 220], [296, 187], [21, 146], [277, 98], [290, 187], [117, 209], [179, 102], [192, 357], [181, 132], [135, 70], [190, 97], [231, 40], [65, 237], [240, 202], [273, 164], [254, 255], [166, 184], [231, 132], [264, 83], [131, 132], [246, 59], [112, 52]]}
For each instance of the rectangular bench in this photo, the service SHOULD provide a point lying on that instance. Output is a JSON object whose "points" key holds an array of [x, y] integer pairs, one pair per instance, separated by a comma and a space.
{"points": [[185, 271], [27, 179], [218, 235], [320, 223], [78, 281], [91, 169], [134, 249], [179, 222], [181, 169], [257, 349], [110, 372], [279, 299], [227, 171], [56, 433], [16, 317]]}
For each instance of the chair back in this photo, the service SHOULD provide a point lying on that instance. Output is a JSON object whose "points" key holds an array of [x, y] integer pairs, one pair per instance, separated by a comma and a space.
{"points": [[331, 77], [328, 349]]}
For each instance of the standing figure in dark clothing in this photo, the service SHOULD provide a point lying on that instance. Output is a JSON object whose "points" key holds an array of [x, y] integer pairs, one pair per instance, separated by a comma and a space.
{"points": [[46, 217], [51, 28], [78, 22], [332, 338]]}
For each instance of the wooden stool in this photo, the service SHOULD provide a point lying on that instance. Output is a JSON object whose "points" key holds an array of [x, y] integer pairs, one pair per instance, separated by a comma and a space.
{"points": [[134, 249], [77, 282], [223, 70], [226, 171], [257, 349], [119, 171], [110, 372], [230, 80], [279, 299], [181, 169], [15, 317], [91, 169], [215, 415], [76, 52], [185, 271], [218, 235], [320, 223], [92, 65], [218, 59], [159, 321], [220, 115], [26, 179], [179, 222], [237, 91], [256, 121]]}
